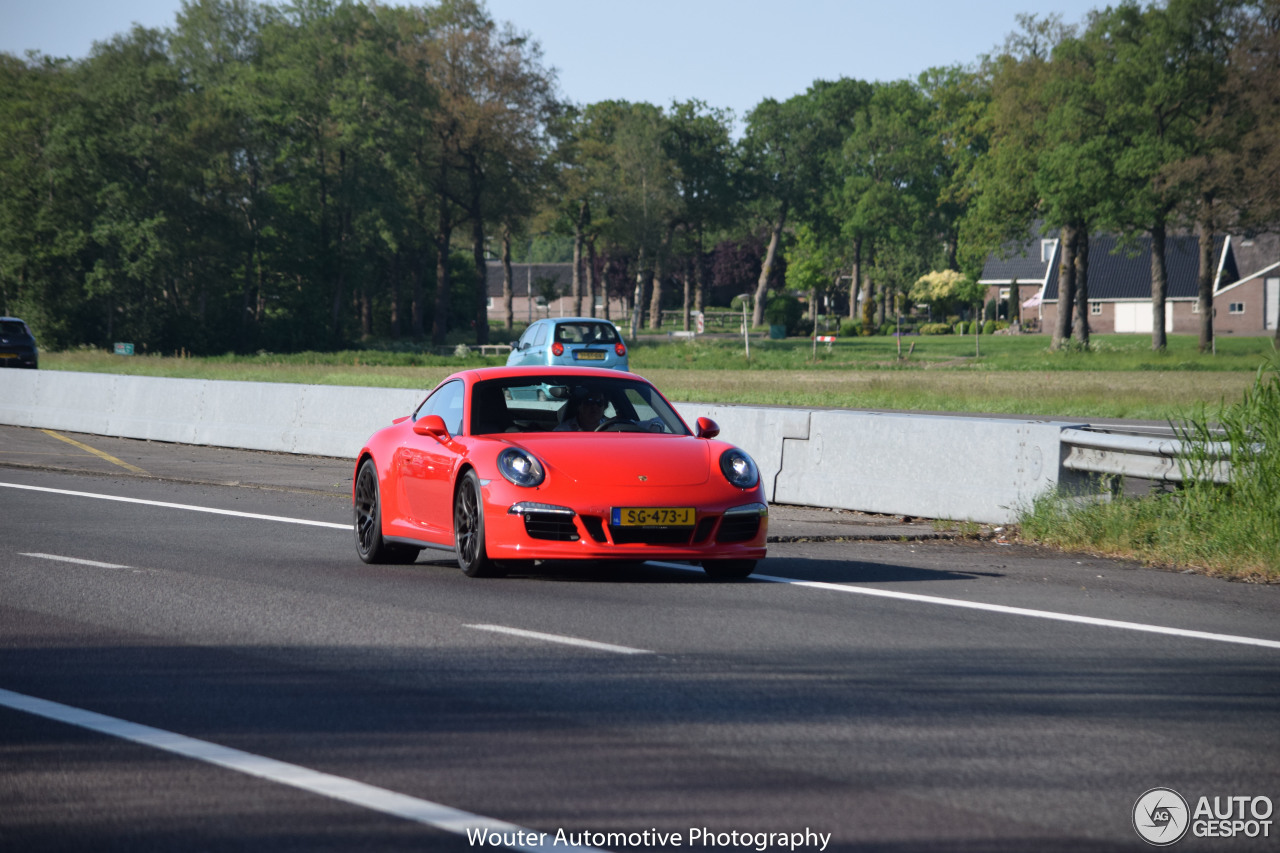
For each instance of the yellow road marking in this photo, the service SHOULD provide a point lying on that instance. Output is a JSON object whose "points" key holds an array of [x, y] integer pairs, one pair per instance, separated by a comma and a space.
{"points": [[100, 454]]}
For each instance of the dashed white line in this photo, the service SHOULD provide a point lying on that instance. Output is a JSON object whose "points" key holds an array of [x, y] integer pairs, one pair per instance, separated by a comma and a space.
{"points": [[339, 788], [558, 638], [78, 561], [188, 507]]}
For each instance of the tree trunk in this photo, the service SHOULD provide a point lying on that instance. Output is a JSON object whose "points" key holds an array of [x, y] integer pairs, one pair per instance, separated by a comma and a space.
{"points": [[699, 285], [659, 279], [766, 270], [868, 294], [440, 318], [508, 291], [593, 287], [1159, 285], [637, 300], [394, 276], [1066, 287], [687, 304], [1082, 285], [1208, 274], [482, 277], [1015, 305], [855, 279], [576, 292]]}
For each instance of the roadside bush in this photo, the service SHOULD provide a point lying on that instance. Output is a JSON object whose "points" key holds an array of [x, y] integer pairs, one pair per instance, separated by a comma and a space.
{"points": [[962, 328], [935, 329], [989, 327], [850, 329], [783, 309], [1231, 529]]}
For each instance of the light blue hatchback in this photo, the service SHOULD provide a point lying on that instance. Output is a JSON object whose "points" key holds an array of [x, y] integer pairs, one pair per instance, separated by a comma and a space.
{"points": [[570, 341]]}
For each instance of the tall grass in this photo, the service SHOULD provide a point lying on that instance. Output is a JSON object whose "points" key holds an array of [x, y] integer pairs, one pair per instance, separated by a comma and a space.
{"points": [[1230, 529]]}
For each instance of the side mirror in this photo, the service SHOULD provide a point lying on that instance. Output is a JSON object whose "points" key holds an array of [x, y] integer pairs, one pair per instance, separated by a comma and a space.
{"points": [[707, 428], [515, 345], [432, 425]]}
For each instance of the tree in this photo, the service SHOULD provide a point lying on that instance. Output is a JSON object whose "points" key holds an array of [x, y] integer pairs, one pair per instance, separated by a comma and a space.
{"points": [[1160, 70], [944, 290], [701, 151]]}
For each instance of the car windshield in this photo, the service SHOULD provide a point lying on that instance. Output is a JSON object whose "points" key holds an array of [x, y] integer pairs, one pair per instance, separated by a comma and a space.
{"points": [[562, 403], [586, 333]]}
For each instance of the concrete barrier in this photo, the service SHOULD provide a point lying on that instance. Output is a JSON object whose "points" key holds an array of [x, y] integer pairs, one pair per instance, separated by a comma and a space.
{"points": [[318, 420], [929, 466]]}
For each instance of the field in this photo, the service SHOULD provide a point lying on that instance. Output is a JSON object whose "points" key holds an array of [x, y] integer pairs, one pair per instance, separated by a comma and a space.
{"points": [[1120, 377]]}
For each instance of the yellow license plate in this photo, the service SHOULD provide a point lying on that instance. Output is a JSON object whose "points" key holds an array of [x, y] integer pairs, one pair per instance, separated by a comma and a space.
{"points": [[653, 516], [589, 355], [8, 355]]}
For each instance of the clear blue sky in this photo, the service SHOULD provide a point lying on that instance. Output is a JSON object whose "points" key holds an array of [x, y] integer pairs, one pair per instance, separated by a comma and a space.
{"points": [[728, 53]]}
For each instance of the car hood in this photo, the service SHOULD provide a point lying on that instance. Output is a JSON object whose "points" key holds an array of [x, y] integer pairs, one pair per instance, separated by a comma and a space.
{"points": [[624, 459]]}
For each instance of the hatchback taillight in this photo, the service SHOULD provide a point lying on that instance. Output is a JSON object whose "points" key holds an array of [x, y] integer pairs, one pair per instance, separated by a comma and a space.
{"points": [[557, 348], [619, 348]]}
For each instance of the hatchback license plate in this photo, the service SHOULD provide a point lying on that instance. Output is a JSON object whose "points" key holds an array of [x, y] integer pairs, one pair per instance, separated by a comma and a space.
{"points": [[653, 516], [589, 355]]}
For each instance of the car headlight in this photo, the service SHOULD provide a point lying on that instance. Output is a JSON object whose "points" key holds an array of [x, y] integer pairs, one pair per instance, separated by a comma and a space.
{"points": [[520, 467], [738, 468]]}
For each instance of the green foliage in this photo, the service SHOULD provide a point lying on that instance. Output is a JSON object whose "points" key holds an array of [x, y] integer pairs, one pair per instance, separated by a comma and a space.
{"points": [[783, 309], [314, 175], [936, 329]]}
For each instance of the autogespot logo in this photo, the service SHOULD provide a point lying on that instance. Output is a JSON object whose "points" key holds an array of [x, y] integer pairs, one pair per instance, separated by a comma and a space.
{"points": [[1161, 817]]}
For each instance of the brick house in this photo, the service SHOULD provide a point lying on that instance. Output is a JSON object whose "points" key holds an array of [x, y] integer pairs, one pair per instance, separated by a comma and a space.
{"points": [[1245, 295], [529, 285]]}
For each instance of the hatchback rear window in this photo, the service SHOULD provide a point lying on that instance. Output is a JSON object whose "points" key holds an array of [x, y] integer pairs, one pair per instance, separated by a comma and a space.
{"points": [[12, 327], [586, 333]]}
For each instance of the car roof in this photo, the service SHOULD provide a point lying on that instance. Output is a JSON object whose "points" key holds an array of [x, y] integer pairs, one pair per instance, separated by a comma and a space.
{"points": [[576, 320], [478, 374]]}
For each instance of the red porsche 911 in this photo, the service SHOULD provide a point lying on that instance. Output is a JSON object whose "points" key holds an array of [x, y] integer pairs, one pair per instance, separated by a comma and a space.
{"points": [[506, 466]]}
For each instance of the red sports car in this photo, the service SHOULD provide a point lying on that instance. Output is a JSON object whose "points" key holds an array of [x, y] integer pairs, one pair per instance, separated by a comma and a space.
{"points": [[509, 465]]}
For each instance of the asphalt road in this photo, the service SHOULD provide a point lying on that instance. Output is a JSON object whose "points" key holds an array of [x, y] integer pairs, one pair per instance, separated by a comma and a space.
{"points": [[245, 671]]}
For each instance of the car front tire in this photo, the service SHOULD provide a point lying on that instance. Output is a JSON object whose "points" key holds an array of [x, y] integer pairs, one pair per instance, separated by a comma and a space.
{"points": [[468, 530]]}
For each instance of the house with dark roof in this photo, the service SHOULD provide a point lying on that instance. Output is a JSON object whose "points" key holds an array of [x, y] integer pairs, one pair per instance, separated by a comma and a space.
{"points": [[1019, 275], [1120, 284], [540, 290]]}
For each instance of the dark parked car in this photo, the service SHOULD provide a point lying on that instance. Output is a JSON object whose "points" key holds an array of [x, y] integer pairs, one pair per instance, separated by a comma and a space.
{"points": [[17, 344]]}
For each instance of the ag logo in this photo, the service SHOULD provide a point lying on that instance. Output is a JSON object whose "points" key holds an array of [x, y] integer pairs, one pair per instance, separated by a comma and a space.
{"points": [[1161, 817]]}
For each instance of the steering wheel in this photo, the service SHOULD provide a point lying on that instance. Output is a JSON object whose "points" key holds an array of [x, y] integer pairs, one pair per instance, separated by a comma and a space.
{"points": [[619, 425]]}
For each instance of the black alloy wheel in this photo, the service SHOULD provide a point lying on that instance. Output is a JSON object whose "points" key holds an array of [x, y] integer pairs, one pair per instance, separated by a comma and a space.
{"points": [[468, 530], [367, 511]]}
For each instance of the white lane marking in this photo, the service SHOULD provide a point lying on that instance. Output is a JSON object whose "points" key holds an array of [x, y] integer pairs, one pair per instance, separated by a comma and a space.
{"points": [[1002, 608], [425, 812], [189, 507], [77, 561], [557, 638]]}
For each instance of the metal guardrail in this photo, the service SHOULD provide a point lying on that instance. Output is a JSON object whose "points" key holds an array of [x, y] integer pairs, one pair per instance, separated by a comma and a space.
{"points": [[1142, 456]]}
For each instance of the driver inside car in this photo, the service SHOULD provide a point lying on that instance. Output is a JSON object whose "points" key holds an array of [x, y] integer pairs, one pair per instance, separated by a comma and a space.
{"points": [[589, 415]]}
